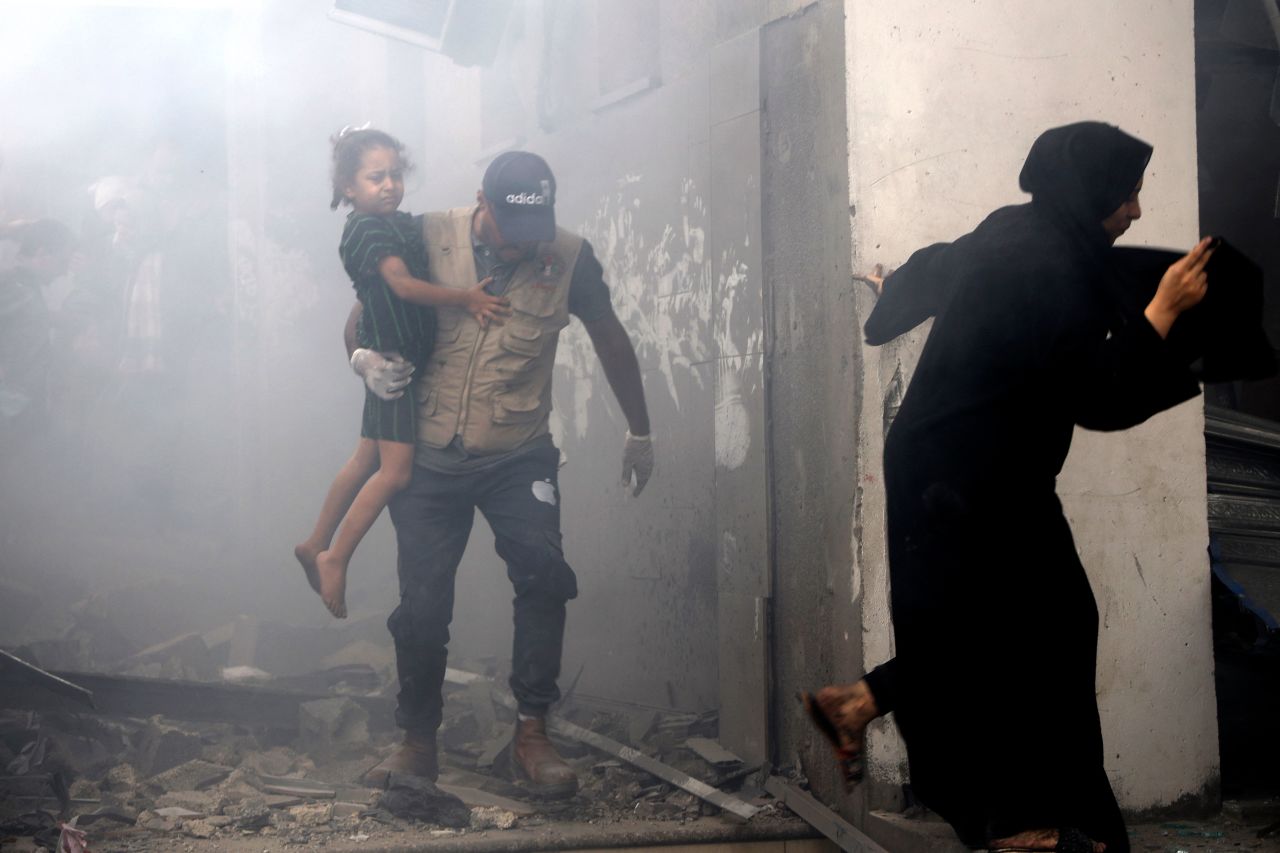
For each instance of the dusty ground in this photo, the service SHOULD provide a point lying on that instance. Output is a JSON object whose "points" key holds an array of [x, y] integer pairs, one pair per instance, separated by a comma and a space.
{"points": [[1227, 832]]}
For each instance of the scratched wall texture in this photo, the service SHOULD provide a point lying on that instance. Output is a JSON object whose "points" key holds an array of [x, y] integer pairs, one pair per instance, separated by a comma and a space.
{"points": [[944, 101]]}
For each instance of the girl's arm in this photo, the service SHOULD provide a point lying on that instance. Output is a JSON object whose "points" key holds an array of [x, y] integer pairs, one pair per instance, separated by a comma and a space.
{"points": [[474, 299]]}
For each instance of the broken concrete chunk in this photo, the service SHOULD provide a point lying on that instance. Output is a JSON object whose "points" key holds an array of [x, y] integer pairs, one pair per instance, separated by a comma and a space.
{"points": [[204, 802], [492, 817], [459, 732], [199, 829], [474, 797], [378, 656], [245, 675], [344, 810], [173, 813], [163, 747], [315, 814], [185, 657], [281, 801], [297, 792], [277, 761], [250, 814], [712, 752], [333, 726], [297, 787], [194, 775], [240, 785], [492, 752], [83, 789], [159, 823], [122, 777], [480, 697]]}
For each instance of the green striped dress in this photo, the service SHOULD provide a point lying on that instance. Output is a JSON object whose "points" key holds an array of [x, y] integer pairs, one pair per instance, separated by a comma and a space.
{"points": [[388, 323]]}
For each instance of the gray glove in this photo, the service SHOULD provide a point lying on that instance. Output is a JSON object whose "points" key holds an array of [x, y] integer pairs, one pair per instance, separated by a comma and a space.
{"points": [[386, 375], [637, 459]]}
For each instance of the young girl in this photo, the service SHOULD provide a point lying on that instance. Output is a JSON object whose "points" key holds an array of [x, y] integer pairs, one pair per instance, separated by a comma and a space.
{"points": [[383, 252]]}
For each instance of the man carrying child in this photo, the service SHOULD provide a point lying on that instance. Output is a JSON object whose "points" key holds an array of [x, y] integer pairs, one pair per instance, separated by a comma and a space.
{"points": [[483, 442]]}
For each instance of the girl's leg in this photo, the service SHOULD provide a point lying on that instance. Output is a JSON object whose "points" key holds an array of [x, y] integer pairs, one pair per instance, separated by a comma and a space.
{"points": [[392, 476], [350, 478]]}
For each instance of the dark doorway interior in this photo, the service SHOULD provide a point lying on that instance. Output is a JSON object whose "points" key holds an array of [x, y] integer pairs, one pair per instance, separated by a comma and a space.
{"points": [[1238, 127]]}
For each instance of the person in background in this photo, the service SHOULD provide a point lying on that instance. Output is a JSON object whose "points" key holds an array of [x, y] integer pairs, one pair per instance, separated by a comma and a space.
{"points": [[45, 248]]}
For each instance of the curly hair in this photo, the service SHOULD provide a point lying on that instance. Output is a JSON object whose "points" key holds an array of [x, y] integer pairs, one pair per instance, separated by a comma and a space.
{"points": [[349, 146]]}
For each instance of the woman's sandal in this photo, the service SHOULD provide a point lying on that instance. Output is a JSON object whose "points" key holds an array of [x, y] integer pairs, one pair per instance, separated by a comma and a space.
{"points": [[848, 763], [1070, 840]]}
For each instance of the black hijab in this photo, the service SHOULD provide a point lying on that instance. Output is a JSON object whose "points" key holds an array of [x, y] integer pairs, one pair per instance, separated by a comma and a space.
{"points": [[1080, 174], [1077, 175]]}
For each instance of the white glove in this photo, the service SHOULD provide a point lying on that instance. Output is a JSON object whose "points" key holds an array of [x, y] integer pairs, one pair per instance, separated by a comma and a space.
{"points": [[385, 375], [637, 459]]}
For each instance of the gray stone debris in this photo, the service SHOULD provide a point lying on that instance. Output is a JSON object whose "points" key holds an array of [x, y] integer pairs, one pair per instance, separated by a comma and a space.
{"points": [[165, 746], [202, 802], [333, 726], [492, 817], [176, 813], [194, 775], [122, 777], [313, 814]]}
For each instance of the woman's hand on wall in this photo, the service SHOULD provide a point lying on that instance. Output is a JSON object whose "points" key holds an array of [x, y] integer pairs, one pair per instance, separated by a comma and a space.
{"points": [[874, 279]]}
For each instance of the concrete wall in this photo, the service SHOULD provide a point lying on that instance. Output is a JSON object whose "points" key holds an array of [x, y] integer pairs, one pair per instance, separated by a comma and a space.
{"points": [[944, 102], [815, 364]]}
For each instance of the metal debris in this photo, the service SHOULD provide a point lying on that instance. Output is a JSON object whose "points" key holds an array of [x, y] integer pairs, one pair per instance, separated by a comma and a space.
{"points": [[47, 680], [845, 835], [650, 765]]}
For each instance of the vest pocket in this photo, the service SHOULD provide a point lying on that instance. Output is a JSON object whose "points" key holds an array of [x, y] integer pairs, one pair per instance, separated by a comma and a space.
{"points": [[516, 411], [522, 339]]}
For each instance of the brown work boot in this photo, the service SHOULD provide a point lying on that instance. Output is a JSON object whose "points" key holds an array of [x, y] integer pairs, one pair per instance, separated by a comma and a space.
{"points": [[537, 763], [415, 757]]}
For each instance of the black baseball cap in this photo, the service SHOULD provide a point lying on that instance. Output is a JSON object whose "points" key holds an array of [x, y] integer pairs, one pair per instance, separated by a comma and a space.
{"points": [[521, 192]]}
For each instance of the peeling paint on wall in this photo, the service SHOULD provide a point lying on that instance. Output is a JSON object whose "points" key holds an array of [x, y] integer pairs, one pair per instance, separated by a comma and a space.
{"points": [[662, 286]]}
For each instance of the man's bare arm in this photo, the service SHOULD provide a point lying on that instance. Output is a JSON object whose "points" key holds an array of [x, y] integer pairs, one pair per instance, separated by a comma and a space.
{"points": [[621, 369]]}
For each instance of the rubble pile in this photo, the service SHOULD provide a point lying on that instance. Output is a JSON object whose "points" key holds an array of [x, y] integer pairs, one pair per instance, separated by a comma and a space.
{"points": [[131, 783]]}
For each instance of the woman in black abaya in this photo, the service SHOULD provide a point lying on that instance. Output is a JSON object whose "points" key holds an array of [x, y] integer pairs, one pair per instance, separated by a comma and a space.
{"points": [[995, 623]]}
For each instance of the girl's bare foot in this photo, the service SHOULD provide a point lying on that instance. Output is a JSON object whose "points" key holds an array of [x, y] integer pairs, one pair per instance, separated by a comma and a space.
{"points": [[306, 554], [332, 575]]}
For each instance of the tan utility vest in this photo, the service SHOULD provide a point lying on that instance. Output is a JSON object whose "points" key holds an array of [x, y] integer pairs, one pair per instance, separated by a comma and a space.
{"points": [[492, 386]]}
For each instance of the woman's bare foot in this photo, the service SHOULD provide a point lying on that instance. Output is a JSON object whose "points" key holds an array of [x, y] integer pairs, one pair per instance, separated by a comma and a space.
{"points": [[1045, 839], [306, 554], [851, 707], [332, 575]]}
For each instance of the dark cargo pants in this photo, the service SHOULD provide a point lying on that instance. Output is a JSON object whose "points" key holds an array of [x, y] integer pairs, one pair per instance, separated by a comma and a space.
{"points": [[520, 499]]}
